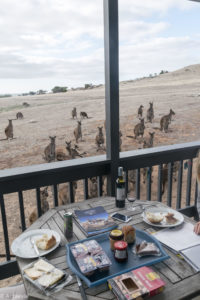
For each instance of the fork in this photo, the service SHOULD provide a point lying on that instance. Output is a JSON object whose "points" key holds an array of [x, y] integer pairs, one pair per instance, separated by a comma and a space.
{"points": [[35, 247]]}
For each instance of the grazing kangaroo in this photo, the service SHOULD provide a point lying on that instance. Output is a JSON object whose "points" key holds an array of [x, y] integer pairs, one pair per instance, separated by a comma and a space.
{"points": [[166, 120], [19, 115], [25, 104], [9, 130], [148, 143], [140, 111], [44, 205], [83, 115], [92, 187], [64, 193], [78, 132], [74, 113], [99, 140], [139, 129], [150, 113], [50, 150], [131, 180], [175, 168]]}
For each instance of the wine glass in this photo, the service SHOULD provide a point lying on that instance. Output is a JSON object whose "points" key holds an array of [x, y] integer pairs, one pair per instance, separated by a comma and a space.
{"points": [[131, 199]]}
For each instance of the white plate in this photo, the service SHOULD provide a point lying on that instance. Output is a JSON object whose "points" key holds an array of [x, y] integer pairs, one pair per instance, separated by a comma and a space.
{"points": [[163, 212], [22, 246]]}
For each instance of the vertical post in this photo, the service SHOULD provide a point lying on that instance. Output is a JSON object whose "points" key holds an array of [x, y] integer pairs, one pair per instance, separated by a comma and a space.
{"points": [[111, 50]]}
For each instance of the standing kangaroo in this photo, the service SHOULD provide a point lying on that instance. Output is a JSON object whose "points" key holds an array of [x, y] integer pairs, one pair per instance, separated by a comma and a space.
{"points": [[19, 115], [50, 150], [44, 205], [83, 115], [148, 143], [99, 140], [166, 120], [140, 111], [9, 130], [150, 113], [64, 193], [92, 187], [74, 113], [78, 132], [175, 168], [139, 129]]}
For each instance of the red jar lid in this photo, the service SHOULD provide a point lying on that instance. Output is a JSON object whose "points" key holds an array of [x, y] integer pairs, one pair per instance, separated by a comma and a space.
{"points": [[120, 245]]}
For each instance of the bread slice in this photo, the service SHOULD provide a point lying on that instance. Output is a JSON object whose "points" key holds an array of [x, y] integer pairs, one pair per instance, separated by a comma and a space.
{"points": [[42, 265], [50, 278], [33, 273], [46, 242]]}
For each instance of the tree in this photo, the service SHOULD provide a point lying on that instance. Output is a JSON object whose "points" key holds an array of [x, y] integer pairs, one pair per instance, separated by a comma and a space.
{"points": [[59, 89], [41, 92], [88, 86], [32, 93]]}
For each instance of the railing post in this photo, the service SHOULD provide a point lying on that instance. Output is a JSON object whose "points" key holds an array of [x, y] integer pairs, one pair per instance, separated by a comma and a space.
{"points": [[111, 48]]}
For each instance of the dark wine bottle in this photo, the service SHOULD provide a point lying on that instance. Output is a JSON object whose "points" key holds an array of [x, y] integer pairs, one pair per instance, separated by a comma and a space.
{"points": [[120, 189]]}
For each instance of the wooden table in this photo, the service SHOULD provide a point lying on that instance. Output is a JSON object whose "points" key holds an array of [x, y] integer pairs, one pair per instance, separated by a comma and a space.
{"points": [[181, 280]]}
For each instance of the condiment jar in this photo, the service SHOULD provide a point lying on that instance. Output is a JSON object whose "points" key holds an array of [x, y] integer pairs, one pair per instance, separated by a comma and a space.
{"points": [[121, 253], [115, 235]]}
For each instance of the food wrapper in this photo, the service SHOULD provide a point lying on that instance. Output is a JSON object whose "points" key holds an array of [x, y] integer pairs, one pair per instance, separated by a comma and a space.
{"points": [[102, 261], [79, 250], [50, 281], [145, 248], [92, 247], [87, 265]]}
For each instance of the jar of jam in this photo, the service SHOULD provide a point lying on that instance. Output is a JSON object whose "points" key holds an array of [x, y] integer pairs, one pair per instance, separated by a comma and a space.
{"points": [[115, 235], [121, 253]]}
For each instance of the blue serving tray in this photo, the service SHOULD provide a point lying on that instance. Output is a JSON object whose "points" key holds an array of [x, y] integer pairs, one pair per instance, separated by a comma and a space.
{"points": [[116, 268]]}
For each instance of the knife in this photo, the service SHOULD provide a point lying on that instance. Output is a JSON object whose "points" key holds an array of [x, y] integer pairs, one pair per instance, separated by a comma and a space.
{"points": [[35, 247], [83, 294]]}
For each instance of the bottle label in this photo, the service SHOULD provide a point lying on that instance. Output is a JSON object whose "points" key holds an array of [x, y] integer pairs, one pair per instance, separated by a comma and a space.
{"points": [[121, 254], [121, 194]]}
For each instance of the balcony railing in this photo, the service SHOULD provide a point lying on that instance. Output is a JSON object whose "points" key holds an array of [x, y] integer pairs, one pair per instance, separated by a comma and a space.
{"points": [[18, 180]]}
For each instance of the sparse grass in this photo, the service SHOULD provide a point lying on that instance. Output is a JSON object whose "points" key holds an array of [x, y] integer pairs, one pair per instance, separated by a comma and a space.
{"points": [[10, 108]]}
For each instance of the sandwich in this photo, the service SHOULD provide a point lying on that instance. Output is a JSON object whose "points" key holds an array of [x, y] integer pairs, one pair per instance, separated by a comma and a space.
{"points": [[33, 273]]}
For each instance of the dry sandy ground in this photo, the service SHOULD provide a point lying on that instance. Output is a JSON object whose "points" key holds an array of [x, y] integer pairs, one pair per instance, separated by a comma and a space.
{"points": [[51, 115]]}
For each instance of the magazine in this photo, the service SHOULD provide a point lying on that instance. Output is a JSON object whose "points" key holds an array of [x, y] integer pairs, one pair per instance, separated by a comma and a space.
{"points": [[94, 220]]}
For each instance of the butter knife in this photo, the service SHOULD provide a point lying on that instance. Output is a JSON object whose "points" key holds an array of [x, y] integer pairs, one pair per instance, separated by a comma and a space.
{"points": [[35, 247]]}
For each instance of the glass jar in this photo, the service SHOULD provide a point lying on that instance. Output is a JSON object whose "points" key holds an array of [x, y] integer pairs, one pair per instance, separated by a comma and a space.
{"points": [[115, 235], [121, 253]]}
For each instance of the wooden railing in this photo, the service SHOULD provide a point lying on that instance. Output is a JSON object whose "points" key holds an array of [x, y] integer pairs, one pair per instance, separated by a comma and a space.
{"points": [[36, 176]]}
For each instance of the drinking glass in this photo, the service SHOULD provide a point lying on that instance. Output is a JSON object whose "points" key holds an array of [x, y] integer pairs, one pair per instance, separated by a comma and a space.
{"points": [[131, 199]]}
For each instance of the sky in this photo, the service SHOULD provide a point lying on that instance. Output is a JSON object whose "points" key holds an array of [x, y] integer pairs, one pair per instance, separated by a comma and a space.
{"points": [[44, 43]]}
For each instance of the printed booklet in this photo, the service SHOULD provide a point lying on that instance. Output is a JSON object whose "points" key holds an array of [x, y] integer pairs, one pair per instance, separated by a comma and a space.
{"points": [[94, 220]]}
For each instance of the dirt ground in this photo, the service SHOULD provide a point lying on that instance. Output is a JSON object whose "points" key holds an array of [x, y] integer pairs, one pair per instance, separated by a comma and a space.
{"points": [[50, 115]]}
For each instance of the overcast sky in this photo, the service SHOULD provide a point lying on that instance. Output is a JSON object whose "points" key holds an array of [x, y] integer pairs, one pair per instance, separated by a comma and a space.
{"points": [[44, 43]]}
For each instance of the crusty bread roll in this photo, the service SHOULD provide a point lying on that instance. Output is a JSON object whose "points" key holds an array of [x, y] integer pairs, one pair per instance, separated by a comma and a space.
{"points": [[129, 233], [45, 242], [154, 218], [33, 273]]}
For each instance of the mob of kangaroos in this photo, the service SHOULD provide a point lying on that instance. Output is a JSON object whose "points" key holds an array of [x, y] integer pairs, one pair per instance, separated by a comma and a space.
{"points": [[166, 120], [50, 150]]}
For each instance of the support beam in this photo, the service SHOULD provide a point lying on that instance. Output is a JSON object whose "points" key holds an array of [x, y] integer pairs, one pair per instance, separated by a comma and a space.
{"points": [[111, 48]]}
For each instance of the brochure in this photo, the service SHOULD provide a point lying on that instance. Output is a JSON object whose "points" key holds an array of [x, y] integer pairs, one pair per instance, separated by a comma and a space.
{"points": [[94, 220]]}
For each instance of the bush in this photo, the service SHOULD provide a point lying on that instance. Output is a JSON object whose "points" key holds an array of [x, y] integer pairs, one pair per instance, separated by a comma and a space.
{"points": [[59, 89]]}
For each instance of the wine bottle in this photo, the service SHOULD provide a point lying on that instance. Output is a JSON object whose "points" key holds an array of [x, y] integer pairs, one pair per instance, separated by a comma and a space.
{"points": [[120, 189]]}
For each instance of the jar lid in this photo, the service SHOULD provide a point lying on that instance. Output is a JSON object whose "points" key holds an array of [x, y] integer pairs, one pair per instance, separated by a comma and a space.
{"points": [[116, 233], [120, 245]]}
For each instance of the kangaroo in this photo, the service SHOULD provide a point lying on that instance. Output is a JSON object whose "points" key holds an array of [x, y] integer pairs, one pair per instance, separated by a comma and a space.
{"points": [[140, 111], [92, 187], [73, 152], [9, 130], [25, 104], [50, 150], [74, 113], [64, 193], [61, 155], [78, 132], [150, 113], [99, 140], [120, 140], [139, 129], [175, 168], [44, 205], [131, 180], [166, 120], [83, 115], [148, 143], [19, 115]]}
